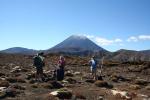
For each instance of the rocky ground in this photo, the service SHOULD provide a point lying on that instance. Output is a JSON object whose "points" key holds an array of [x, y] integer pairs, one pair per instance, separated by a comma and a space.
{"points": [[120, 81]]}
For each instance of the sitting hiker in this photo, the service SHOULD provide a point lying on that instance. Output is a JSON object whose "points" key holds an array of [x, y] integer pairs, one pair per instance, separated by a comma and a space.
{"points": [[60, 70], [39, 64], [93, 64]]}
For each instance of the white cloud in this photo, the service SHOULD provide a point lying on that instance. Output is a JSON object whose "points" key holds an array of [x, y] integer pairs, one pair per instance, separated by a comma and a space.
{"points": [[118, 40], [138, 38], [89, 36], [132, 39], [121, 44], [144, 37], [103, 41]]}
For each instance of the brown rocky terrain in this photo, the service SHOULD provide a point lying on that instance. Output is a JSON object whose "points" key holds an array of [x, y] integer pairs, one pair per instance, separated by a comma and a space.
{"points": [[121, 81]]}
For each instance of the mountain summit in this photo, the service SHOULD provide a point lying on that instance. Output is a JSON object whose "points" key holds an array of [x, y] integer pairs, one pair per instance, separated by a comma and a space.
{"points": [[76, 44]]}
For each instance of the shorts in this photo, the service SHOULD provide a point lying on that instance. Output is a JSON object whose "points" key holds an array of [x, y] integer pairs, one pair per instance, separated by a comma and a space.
{"points": [[93, 70]]}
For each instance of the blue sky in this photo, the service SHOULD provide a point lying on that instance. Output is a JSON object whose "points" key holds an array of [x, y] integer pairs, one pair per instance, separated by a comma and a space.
{"points": [[41, 24]]}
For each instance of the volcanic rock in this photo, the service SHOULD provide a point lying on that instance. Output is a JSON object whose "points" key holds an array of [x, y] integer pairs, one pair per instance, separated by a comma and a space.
{"points": [[147, 87], [77, 73], [4, 84], [103, 84], [135, 87], [16, 86], [2, 74], [32, 81], [69, 74], [56, 85], [90, 80], [62, 94], [79, 96], [16, 79], [121, 94], [2, 92], [47, 85], [141, 82], [51, 97], [11, 92], [71, 80], [34, 85]]}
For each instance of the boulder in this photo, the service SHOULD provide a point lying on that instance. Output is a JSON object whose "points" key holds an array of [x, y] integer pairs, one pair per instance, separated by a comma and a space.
{"points": [[121, 94], [21, 80], [116, 78], [2, 92], [32, 81], [69, 74], [90, 80], [103, 84], [3, 79], [2, 74], [11, 92], [16, 69], [46, 79], [47, 85], [56, 84], [24, 70], [147, 87], [34, 85], [134, 87], [71, 80], [3, 89], [4, 84], [99, 78], [100, 97], [51, 97], [11, 79], [16, 79], [30, 76], [77, 73], [16, 86], [141, 82], [79, 96], [62, 94]]}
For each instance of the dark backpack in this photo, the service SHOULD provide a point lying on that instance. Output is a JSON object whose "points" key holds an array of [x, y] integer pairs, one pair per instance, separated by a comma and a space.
{"points": [[38, 61]]}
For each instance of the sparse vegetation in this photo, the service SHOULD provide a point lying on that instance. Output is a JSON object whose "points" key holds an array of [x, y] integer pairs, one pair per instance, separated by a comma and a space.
{"points": [[116, 75]]}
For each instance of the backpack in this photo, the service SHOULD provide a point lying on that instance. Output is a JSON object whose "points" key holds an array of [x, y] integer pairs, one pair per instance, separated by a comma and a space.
{"points": [[38, 61], [93, 63]]}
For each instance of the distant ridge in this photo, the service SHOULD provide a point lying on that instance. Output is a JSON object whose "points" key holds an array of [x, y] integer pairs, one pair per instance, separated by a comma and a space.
{"points": [[19, 50], [82, 46], [129, 55]]}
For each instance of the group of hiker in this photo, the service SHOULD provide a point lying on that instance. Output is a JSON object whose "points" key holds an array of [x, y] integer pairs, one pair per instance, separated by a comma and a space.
{"points": [[39, 63]]}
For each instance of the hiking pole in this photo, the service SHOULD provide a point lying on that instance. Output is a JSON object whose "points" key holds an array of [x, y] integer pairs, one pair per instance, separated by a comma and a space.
{"points": [[101, 67]]}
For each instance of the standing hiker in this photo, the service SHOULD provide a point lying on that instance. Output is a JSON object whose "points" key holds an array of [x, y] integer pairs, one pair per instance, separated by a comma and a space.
{"points": [[93, 64], [60, 70], [39, 64]]}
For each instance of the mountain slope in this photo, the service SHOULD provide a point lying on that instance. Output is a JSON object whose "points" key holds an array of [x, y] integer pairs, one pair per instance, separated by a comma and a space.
{"points": [[78, 45]]}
